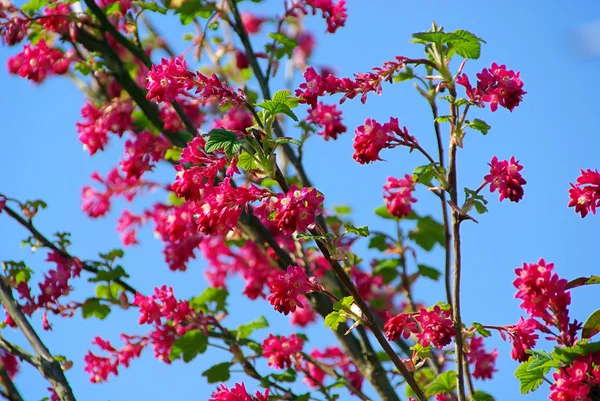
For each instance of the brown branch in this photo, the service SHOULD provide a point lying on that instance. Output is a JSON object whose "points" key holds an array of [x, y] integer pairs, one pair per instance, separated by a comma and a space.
{"points": [[11, 393], [47, 365]]}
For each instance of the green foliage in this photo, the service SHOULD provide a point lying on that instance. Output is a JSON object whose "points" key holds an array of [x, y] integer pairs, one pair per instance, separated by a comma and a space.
{"points": [[112, 255], [592, 325], [18, 270], [360, 231], [342, 209], [34, 5], [222, 139], [443, 383], [191, 9], [218, 373], [189, 345], [282, 46], [281, 103], [288, 376], [479, 125], [387, 269], [530, 379], [581, 281], [473, 199], [111, 292], [469, 48], [542, 360], [173, 154], [482, 396], [151, 6], [247, 162], [340, 313], [244, 330], [428, 233], [568, 355], [482, 331], [378, 242], [93, 307], [212, 300], [110, 275], [429, 272]]}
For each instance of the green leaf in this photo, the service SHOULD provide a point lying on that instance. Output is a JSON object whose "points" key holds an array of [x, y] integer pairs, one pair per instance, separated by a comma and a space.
{"points": [[334, 319], [287, 45], [246, 161], [274, 108], [281, 141], [361, 231], [34, 5], [104, 292], [285, 96], [404, 75], [443, 383], [83, 68], [173, 199], [288, 376], [592, 325], [342, 209], [387, 268], [568, 355], [303, 397], [438, 37], [429, 272], [189, 345], [110, 275], [194, 8], [93, 307], [541, 360], [113, 8], [529, 380], [479, 125], [151, 6], [217, 297], [469, 48], [428, 233], [223, 139], [378, 242], [581, 281], [112, 255], [482, 331], [173, 154], [443, 119], [218, 373], [344, 303], [244, 330], [482, 396], [382, 211]]}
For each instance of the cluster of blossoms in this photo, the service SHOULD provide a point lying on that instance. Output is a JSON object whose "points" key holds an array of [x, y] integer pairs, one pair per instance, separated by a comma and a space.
{"points": [[112, 117], [579, 381], [13, 29], [101, 367], [523, 337], [280, 351], [318, 85], [172, 120], [335, 358], [287, 288], [334, 13], [435, 327], [171, 79], [142, 152], [495, 85], [237, 393], [505, 176], [329, 118], [372, 137], [398, 195], [544, 296], [38, 61], [585, 194], [484, 362]]}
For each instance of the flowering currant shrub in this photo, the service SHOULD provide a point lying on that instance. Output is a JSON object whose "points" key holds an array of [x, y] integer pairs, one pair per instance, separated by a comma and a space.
{"points": [[240, 199]]}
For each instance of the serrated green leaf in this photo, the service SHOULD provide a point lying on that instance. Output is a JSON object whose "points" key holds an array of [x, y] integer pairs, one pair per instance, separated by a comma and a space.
{"points": [[218, 373], [247, 162], [404, 75], [428, 233], [285, 97], [223, 139], [470, 48], [151, 6], [112, 255], [529, 380], [541, 359], [443, 119], [334, 319], [104, 292], [211, 300], [361, 231], [429, 272], [479, 125], [244, 330], [189, 345], [34, 5], [482, 331], [173, 154], [93, 307], [288, 376], [482, 396], [343, 303], [378, 242], [190, 9], [111, 275], [280, 141], [274, 108], [443, 383], [387, 269], [592, 325], [569, 354], [382, 211]]}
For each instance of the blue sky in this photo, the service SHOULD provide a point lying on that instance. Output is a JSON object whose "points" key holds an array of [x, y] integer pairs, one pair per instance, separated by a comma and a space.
{"points": [[553, 133]]}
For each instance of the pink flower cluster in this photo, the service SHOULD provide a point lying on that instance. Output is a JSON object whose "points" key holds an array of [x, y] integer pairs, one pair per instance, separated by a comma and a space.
{"points": [[495, 85], [238, 393], [484, 363], [112, 117], [142, 152], [287, 288], [505, 176], [12, 29], [334, 13], [251, 22], [335, 358], [280, 351], [436, 327], [523, 337], [398, 195], [171, 79], [172, 120], [580, 381], [57, 18], [38, 61], [317, 85], [372, 137], [585, 194], [101, 367], [329, 118]]}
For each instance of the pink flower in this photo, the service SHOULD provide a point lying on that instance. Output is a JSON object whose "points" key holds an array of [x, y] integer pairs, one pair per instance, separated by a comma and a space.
{"points": [[235, 120], [483, 362], [14, 30], [287, 288], [437, 327], [523, 338], [172, 120], [329, 118], [577, 382], [506, 177], [101, 367], [10, 363], [585, 194], [37, 62], [168, 80], [251, 22], [334, 13], [398, 195], [314, 87], [280, 351], [237, 393], [142, 153], [332, 357], [304, 316], [296, 210], [400, 325], [370, 139], [112, 117], [496, 86], [57, 18], [213, 89]]}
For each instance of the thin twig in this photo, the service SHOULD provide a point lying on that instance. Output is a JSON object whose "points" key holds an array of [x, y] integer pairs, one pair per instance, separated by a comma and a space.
{"points": [[11, 393]]}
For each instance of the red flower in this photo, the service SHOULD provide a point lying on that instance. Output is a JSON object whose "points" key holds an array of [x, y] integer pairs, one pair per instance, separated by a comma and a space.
{"points": [[329, 118], [37, 62], [295, 210], [400, 325], [483, 361], [287, 288], [370, 139], [585, 194], [523, 338], [237, 393], [506, 177], [332, 357], [398, 195], [251, 22], [437, 327], [168, 80], [334, 13], [281, 350]]}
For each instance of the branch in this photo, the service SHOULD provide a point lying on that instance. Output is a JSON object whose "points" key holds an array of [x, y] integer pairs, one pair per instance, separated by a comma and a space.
{"points": [[11, 393], [48, 366]]}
